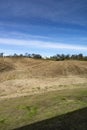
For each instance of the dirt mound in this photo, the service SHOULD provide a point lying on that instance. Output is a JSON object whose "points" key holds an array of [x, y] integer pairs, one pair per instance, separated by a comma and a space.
{"points": [[47, 68], [44, 68]]}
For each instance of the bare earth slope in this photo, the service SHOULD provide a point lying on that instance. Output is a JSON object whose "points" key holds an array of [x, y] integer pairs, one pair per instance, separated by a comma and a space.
{"points": [[24, 76]]}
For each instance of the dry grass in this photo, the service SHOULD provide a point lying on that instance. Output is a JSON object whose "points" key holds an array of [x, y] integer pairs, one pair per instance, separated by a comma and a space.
{"points": [[24, 76]]}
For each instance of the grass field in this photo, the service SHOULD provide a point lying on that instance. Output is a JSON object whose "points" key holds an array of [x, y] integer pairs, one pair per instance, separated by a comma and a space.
{"points": [[43, 94]]}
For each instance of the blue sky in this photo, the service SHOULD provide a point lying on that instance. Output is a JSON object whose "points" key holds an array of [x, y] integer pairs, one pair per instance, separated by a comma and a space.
{"points": [[47, 27]]}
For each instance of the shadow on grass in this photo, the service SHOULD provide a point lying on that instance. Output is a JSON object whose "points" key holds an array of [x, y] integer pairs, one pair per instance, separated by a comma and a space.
{"points": [[76, 120]]}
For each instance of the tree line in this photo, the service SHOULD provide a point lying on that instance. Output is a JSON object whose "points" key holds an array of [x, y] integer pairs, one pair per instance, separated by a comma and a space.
{"points": [[57, 57]]}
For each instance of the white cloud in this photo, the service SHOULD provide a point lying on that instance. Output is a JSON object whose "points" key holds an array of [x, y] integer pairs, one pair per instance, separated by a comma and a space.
{"points": [[40, 44]]}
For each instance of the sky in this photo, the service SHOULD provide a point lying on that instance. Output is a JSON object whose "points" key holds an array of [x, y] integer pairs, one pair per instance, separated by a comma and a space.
{"points": [[45, 27]]}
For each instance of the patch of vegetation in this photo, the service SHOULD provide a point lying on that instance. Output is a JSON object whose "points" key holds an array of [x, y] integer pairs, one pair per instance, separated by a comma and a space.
{"points": [[31, 110], [63, 98], [2, 120]]}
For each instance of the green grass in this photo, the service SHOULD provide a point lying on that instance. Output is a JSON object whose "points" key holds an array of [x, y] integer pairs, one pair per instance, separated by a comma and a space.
{"points": [[25, 110], [30, 110], [2, 120]]}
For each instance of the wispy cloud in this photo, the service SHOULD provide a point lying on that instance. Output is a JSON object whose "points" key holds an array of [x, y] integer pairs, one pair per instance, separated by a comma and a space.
{"points": [[20, 35], [41, 44]]}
